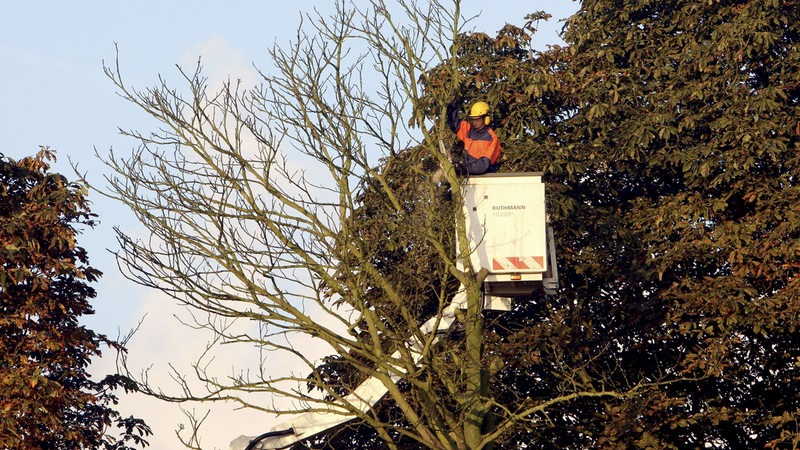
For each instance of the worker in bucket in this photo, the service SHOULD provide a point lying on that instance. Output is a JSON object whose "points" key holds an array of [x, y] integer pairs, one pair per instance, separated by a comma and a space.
{"points": [[481, 145]]}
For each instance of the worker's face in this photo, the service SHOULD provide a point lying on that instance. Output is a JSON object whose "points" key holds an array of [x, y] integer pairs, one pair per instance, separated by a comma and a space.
{"points": [[477, 123]]}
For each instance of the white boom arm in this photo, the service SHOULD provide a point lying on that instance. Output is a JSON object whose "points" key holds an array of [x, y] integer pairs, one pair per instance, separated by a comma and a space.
{"points": [[363, 397]]}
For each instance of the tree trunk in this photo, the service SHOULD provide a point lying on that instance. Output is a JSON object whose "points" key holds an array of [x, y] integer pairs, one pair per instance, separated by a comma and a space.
{"points": [[474, 400]]}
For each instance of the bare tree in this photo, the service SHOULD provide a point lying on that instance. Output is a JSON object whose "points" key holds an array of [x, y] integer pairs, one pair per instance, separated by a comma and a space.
{"points": [[250, 193]]}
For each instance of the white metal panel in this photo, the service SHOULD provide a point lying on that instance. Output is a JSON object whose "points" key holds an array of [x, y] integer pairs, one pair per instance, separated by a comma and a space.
{"points": [[506, 221]]}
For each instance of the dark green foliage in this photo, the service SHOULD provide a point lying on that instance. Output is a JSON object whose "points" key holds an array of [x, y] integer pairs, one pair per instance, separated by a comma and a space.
{"points": [[681, 217], [673, 174], [669, 134], [47, 398]]}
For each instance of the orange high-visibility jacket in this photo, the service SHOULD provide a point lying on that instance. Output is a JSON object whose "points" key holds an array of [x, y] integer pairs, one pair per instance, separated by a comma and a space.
{"points": [[479, 143]]}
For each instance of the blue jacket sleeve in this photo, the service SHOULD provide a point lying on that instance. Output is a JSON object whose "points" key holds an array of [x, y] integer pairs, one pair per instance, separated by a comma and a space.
{"points": [[453, 121]]}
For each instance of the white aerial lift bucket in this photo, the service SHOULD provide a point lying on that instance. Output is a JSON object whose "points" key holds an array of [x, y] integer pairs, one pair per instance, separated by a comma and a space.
{"points": [[509, 236]]}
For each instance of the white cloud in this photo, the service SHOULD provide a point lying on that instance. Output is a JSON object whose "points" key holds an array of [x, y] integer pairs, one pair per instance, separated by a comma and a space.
{"points": [[221, 63]]}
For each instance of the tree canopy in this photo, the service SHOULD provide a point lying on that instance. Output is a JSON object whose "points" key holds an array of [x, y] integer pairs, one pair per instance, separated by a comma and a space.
{"points": [[679, 163], [48, 399], [668, 135]]}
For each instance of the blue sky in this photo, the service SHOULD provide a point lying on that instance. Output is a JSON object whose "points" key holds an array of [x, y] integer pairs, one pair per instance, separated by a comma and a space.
{"points": [[54, 93]]}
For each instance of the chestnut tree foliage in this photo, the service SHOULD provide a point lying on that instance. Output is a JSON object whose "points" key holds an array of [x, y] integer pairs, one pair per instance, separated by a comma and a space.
{"points": [[678, 218], [668, 133], [47, 398], [668, 136]]}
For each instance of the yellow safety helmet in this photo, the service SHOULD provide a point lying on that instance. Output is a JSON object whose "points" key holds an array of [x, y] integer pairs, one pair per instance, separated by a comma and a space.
{"points": [[480, 109]]}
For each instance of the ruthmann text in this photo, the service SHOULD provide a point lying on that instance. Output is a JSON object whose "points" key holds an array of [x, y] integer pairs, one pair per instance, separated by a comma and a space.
{"points": [[505, 207]]}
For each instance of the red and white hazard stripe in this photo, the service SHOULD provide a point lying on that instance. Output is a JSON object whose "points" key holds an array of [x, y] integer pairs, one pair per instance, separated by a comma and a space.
{"points": [[518, 263]]}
